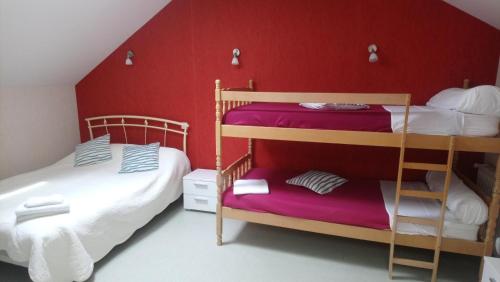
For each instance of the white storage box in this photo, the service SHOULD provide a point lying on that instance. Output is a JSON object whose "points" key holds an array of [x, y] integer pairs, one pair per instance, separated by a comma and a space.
{"points": [[200, 190]]}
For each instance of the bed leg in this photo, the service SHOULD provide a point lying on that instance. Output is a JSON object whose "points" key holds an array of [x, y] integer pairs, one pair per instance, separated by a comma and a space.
{"points": [[219, 227], [218, 160], [493, 213]]}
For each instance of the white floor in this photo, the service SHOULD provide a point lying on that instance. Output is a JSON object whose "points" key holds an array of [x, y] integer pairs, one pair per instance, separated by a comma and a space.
{"points": [[180, 246]]}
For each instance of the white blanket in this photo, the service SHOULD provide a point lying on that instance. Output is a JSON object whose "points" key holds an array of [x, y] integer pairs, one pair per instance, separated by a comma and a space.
{"points": [[423, 208], [434, 121], [106, 209]]}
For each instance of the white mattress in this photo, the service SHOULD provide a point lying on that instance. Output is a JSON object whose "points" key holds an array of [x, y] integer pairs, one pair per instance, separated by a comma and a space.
{"points": [[424, 209], [106, 209], [429, 120]]}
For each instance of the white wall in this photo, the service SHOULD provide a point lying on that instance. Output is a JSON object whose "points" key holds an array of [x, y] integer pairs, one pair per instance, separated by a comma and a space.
{"points": [[38, 126]]}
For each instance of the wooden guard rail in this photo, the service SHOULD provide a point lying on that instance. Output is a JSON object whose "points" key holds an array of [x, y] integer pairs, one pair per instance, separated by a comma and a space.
{"points": [[236, 170]]}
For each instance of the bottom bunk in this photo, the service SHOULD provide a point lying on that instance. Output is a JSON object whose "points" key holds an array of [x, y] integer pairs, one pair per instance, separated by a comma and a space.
{"points": [[358, 209]]}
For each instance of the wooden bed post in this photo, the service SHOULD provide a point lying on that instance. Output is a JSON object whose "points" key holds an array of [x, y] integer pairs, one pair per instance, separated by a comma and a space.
{"points": [[250, 140], [466, 83], [493, 213], [218, 159]]}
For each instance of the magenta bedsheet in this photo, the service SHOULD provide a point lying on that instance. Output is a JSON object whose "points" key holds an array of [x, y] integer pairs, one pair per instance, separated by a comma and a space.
{"points": [[376, 118], [358, 203]]}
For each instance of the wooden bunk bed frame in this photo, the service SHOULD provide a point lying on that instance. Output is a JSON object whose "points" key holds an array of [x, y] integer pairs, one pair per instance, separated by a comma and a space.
{"points": [[227, 99]]}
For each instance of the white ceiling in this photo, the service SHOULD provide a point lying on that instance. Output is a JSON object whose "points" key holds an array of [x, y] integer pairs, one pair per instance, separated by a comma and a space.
{"points": [[486, 10], [58, 42]]}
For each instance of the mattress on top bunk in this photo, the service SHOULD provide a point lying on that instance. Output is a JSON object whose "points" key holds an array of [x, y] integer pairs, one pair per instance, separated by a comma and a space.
{"points": [[357, 202], [295, 116], [422, 119]]}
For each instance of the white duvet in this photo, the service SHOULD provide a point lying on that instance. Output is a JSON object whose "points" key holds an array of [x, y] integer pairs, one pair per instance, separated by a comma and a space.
{"points": [[422, 208], [106, 209], [434, 121]]}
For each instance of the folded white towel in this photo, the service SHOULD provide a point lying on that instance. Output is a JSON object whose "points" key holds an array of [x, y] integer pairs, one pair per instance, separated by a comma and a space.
{"points": [[250, 186], [314, 106], [23, 213], [34, 202]]}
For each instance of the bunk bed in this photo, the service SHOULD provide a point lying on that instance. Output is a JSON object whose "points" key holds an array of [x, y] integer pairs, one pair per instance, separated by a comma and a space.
{"points": [[228, 124]]}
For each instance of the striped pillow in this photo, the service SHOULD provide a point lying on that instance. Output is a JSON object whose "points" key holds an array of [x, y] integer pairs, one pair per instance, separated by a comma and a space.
{"points": [[318, 181], [94, 151], [140, 158]]}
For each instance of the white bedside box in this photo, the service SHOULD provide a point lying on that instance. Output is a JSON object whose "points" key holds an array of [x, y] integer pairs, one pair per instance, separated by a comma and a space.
{"points": [[200, 190], [491, 269]]}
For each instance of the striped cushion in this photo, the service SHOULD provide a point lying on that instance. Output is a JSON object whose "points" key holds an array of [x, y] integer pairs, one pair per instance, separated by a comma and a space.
{"points": [[140, 158], [94, 151], [318, 181]]}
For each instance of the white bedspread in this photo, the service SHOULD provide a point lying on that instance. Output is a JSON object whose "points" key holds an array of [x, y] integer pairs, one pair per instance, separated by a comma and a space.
{"points": [[106, 209], [423, 208], [429, 120]]}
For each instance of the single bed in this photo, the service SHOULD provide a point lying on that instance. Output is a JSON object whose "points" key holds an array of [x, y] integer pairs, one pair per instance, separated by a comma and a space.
{"points": [[105, 209], [422, 119], [361, 203]]}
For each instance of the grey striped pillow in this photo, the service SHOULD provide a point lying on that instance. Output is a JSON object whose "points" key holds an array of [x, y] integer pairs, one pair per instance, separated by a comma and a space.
{"points": [[140, 158], [318, 181], [94, 151]]}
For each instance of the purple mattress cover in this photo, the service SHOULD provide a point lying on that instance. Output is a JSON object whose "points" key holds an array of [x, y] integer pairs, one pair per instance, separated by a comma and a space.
{"points": [[376, 118], [357, 202]]}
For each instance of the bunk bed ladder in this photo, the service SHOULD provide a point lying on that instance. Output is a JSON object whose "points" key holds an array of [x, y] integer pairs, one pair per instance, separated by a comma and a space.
{"points": [[437, 224]]}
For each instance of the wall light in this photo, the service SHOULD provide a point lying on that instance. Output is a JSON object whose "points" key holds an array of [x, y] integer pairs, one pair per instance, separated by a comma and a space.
{"points": [[128, 60], [236, 54], [372, 49]]}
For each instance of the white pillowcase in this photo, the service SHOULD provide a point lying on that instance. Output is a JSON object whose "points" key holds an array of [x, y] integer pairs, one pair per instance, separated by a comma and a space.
{"points": [[465, 205], [480, 100]]}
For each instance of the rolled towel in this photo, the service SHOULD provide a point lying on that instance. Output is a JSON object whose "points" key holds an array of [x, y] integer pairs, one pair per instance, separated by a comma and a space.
{"points": [[34, 202], [314, 106], [23, 213], [250, 186]]}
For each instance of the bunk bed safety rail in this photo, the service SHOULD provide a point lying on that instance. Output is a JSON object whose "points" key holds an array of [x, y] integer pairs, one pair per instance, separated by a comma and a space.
{"points": [[295, 97], [236, 170]]}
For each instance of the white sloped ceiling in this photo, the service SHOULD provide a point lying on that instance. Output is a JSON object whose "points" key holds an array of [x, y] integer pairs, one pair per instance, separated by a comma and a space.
{"points": [[57, 42], [486, 10]]}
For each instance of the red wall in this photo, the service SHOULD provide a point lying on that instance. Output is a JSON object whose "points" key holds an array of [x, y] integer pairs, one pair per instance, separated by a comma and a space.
{"points": [[289, 45]]}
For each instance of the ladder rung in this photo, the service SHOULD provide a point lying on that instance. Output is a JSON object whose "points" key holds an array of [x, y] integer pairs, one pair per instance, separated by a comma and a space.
{"points": [[425, 166], [418, 220], [421, 194], [413, 263]]}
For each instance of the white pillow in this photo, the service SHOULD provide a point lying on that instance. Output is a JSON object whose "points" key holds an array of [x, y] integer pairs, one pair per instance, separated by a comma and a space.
{"points": [[480, 100], [465, 205]]}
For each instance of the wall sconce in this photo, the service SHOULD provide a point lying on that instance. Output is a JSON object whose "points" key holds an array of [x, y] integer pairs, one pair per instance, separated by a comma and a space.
{"points": [[128, 60], [372, 49], [236, 54]]}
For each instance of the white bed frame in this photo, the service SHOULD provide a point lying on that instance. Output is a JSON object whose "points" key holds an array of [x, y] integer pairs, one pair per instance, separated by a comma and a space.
{"points": [[145, 122]]}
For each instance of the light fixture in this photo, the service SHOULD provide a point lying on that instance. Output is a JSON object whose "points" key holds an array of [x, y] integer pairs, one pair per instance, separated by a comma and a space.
{"points": [[128, 60], [372, 49], [236, 54]]}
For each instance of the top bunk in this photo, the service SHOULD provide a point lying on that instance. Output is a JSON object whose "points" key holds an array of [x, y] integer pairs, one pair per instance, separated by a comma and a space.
{"points": [[244, 113]]}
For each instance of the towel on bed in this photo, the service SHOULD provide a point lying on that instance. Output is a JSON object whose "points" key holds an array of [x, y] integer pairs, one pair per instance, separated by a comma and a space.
{"points": [[34, 202], [250, 186], [23, 213]]}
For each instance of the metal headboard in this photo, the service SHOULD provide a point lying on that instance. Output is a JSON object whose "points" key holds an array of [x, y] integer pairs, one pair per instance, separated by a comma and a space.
{"points": [[145, 122]]}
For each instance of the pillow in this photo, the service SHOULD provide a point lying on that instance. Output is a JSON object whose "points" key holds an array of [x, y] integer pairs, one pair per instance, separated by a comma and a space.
{"points": [[317, 181], [94, 151], [480, 100], [463, 203], [138, 158]]}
